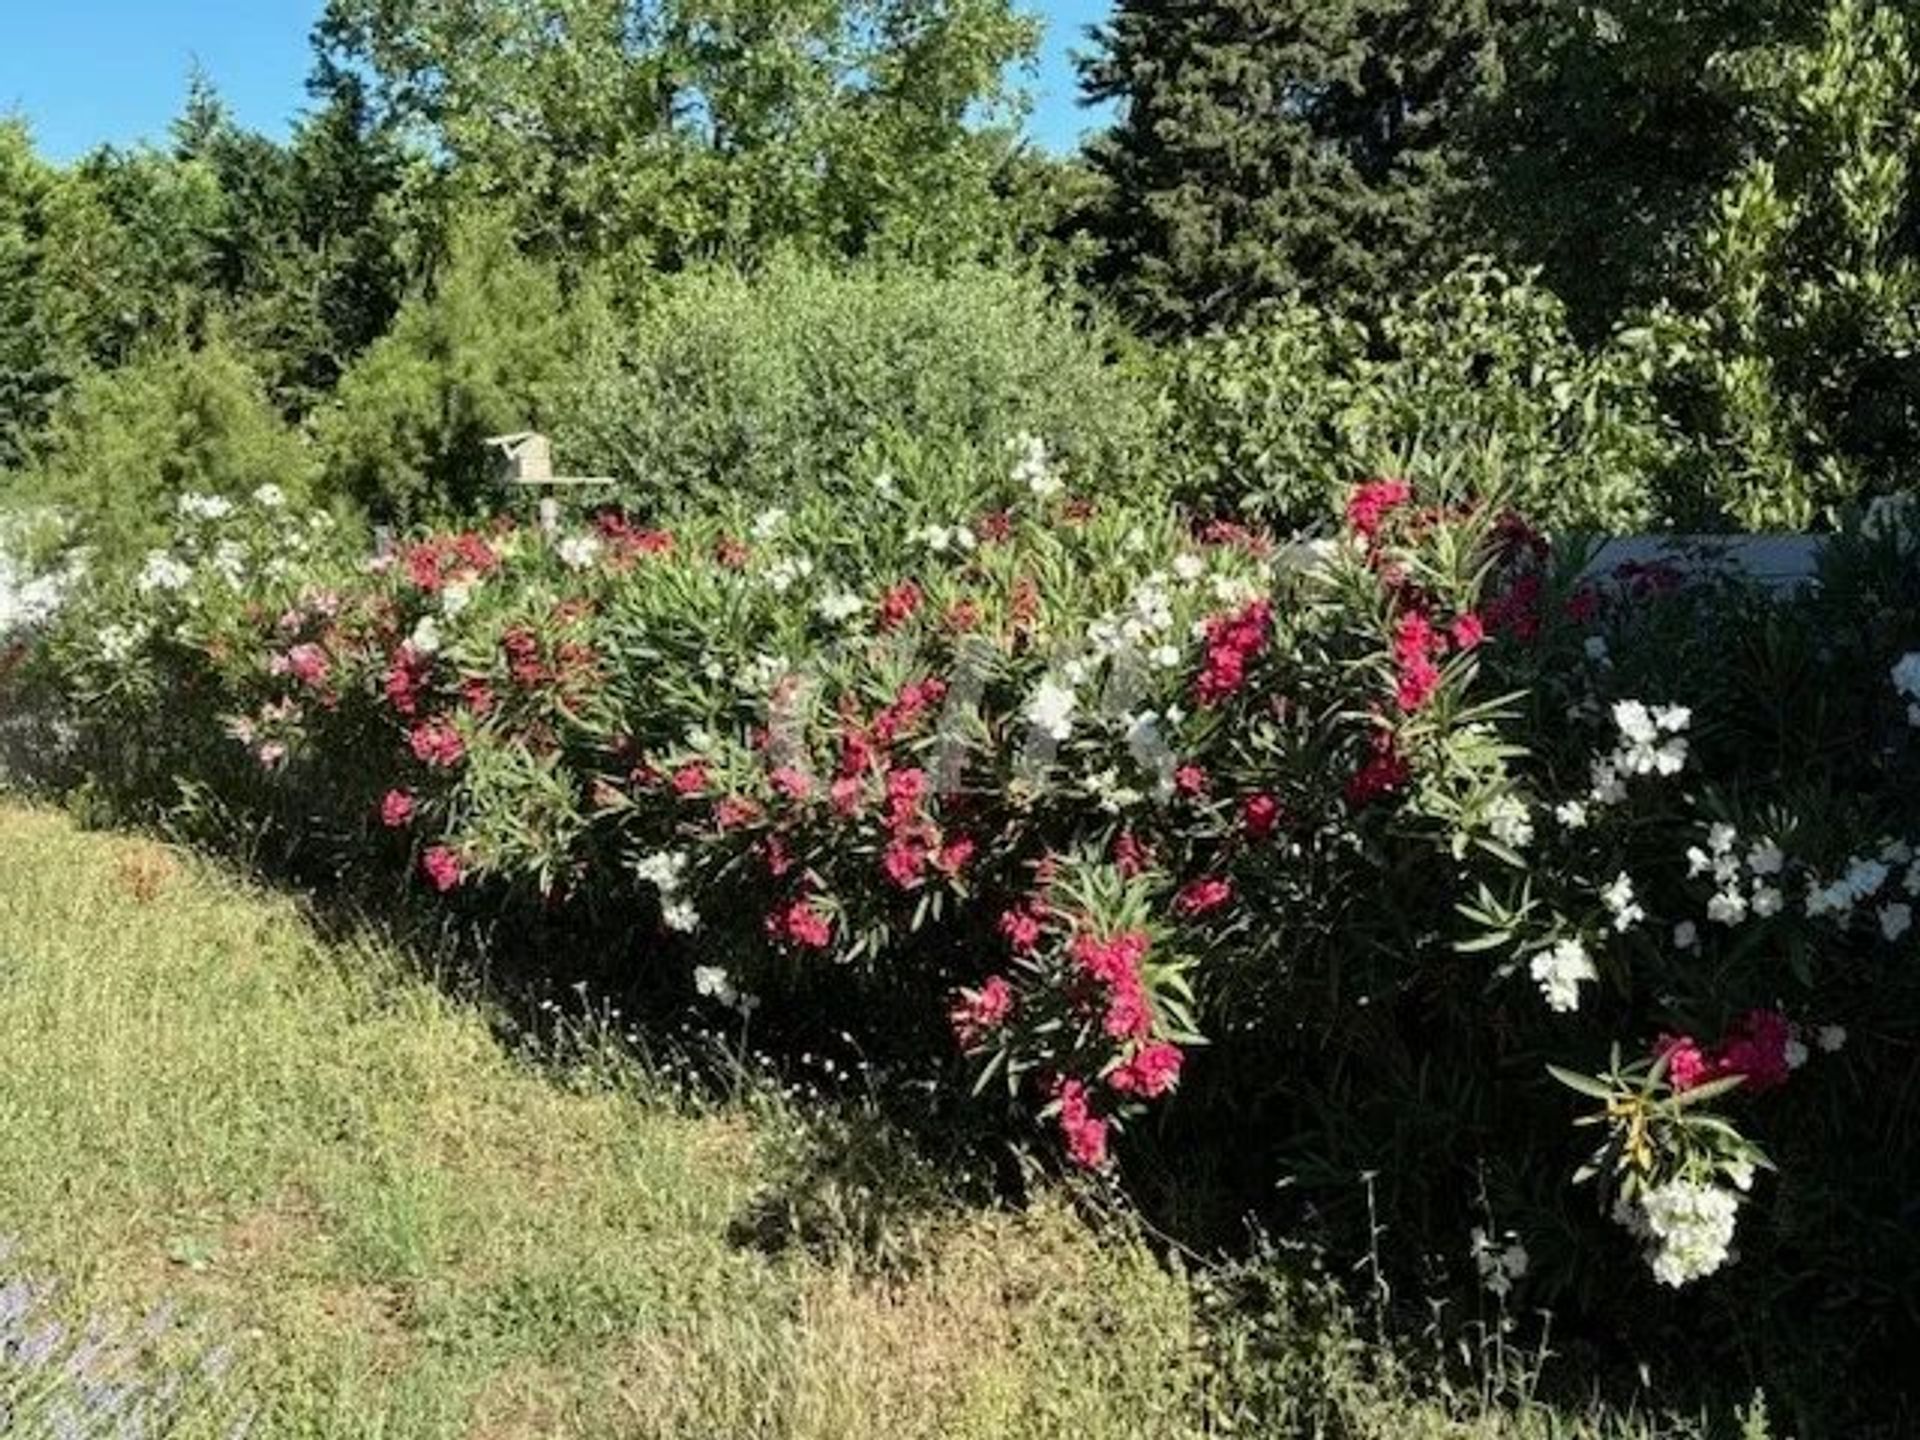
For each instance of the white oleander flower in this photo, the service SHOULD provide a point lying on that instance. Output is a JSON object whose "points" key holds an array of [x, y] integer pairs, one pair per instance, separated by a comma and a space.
{"points": [[1033, 468], [579, 552], [1767, 901], [786, 572], [715, 983], [162, 572], [455, 596], [1051, 709], [1831, 1039], [1559, 972], [1727, 907], [270, 497], [426, 638], [1617, 896], [1572, 814], [1689, 1229], [194, 506], [680, 916], [769, 522], [1765, 858], [1509, 823], [1720, 837], [840, 606], [118, 642], [665, 870], [1188, 566], [1686, 935]]}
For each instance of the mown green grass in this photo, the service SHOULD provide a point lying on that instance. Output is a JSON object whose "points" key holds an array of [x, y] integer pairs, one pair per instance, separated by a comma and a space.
{"points": [[410, 1230]]}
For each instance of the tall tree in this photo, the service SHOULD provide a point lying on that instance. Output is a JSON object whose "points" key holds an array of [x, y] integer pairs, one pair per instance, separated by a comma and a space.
{"points": [[1276, 147], [663, 130]]}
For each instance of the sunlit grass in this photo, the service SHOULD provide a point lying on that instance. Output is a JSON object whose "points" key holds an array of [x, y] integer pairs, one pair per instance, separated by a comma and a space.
{"points": [[407, 1229]]}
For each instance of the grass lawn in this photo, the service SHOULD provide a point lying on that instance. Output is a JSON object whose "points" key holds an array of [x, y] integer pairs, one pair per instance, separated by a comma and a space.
{"points": [[405, 1229]]}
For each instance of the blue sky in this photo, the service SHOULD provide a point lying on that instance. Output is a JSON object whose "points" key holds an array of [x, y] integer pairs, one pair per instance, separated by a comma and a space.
{"points": [[88, 71]]}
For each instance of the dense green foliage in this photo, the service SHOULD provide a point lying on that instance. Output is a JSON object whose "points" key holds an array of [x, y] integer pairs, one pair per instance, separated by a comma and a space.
{"points": [[1304, 148], [1476, 375], [124, 445], [937, 666], [804, 380]]}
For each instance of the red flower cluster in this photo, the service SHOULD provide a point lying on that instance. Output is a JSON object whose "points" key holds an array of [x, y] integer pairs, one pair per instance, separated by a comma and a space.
{"points": [[396, 809], [431, 563], [1113, 969], [1085, 1133], [628, 541], [442, 868], [1384, 771], [1754, 1048], [1415, 645], [799, 923], [309, 665], [1202, 896], [1370, 504], [1232, 641], [976, 1014], [1022, 929], [1151, 1071], [437, 743], [898, 605], [1259, 814], [406, 679]]}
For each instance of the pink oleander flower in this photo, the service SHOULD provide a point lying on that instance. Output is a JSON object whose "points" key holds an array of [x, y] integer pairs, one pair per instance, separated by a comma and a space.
{"points": [[396, 809], [1151, 1071], [976, 1014], [442, 868]]}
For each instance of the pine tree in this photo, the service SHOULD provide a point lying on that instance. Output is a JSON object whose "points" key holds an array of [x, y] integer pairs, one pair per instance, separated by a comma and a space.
{"points": [[1270, 147]]}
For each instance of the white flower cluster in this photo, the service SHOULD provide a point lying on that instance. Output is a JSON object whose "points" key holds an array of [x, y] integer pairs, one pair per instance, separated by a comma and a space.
{"points": [[1686, 1228], [193, 506], [1652, 742], [1863, 880], [119, 642], [716, 984], [666, 871], [941, 539], [1559, 971], [163, 571], [1033, 467], [579, 552], [1510, 822], [1617, 896], [839, 607], [1051, 708], [26, 603], [1730, 904], [1500, 1264], [1144, 626], [786, 572]]}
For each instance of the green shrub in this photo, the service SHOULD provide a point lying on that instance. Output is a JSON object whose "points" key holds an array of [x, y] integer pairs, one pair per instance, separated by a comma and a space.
{"points": [[1478, 375], [478, 354], [1054, 777], [813, 378], [124, 445]]}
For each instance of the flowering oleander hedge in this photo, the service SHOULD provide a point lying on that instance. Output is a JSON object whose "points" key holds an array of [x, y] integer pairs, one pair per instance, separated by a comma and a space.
{"points": [[1408, 851]]}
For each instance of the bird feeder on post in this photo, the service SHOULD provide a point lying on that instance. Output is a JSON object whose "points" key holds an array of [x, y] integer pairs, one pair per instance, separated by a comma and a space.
{"points": [[525, 460]]}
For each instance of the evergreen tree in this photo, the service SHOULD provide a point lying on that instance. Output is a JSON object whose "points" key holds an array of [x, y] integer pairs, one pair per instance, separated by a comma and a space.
{"points": [[1276, 147]]}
